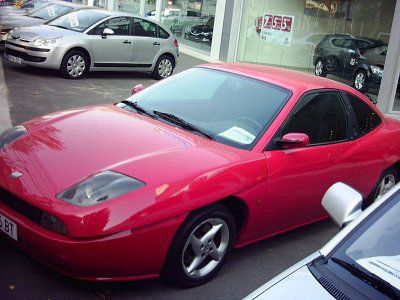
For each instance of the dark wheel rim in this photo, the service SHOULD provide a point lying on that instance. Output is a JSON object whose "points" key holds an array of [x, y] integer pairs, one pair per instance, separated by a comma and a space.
{"points": [[385, 185], [205, 248], [331, 64]]}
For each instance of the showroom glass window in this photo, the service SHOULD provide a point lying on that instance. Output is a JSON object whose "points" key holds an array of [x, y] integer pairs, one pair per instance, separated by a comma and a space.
{"points": [[367, 119], [191, 21], [285, 33], [321, 116]]}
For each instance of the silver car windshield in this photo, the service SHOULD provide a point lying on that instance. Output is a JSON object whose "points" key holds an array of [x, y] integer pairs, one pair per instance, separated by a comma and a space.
{"points": [[78, 20], [234, 110], [50, 12]]}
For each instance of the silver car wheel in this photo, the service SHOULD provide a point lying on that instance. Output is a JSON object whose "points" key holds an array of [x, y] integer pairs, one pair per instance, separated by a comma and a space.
{"points": [[359, 81], [165, 68], [76, 66], [385, 185], [205, 248], [319, 67]]}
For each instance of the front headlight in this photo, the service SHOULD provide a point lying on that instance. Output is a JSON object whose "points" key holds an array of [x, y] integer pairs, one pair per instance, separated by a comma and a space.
{"points": [[99, 188], [39, 42], [377, 70], [10, 135]]}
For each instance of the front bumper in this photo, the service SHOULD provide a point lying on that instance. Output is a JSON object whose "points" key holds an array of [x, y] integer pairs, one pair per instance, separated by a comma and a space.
{"points": [[127, 255], [33, 56]]}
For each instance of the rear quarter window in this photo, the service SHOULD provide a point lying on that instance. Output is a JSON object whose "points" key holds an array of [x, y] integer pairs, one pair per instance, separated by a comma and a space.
{"points": [[366, 117], [163, 33]]}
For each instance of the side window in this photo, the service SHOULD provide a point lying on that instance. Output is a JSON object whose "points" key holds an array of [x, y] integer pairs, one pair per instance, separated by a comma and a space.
{"points": [[163, 33], [120, 26], [338, 42], [321, 116], [144, 28], [350, 44], [364, 44], [367, 119]]}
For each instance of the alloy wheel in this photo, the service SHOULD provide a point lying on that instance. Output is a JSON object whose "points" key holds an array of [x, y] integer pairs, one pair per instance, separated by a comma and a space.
{"points": [[205, 247], [331, 64], [165, 68], [319, 68], [359, 81], [76, 66], [385, 185]]}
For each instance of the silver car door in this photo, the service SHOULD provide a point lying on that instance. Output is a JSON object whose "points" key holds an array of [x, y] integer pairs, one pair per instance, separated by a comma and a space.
{"points": [[115, 49], [146, 44]]}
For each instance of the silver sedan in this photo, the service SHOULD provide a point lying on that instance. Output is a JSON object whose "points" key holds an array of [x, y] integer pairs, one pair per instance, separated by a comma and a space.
{"points": [[96, 40]]}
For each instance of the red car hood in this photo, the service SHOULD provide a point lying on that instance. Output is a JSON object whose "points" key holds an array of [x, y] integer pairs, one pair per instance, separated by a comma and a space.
{"points": [[63, 149]]}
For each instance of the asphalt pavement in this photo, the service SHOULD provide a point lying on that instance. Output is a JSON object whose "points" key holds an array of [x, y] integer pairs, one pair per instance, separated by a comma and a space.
{"points": [[33, 92]]}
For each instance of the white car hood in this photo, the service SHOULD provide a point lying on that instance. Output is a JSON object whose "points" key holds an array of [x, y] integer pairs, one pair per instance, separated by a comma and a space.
{"points": [[298, 285]]}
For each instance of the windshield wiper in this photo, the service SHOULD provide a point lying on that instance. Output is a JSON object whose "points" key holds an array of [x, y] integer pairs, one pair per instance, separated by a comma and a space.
{"points": [[184, 124], [138, 108], [59, 26], [36, 17], [372, 279]]}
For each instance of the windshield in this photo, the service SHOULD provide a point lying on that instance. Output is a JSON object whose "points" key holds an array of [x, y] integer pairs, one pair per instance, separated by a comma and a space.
{"points": [[234, 110], [375, 246], [50, 12], [79, 20]]}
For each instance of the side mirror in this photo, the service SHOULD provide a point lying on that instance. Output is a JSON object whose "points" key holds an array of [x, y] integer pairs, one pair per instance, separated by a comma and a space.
{"points": [[107, 31], [137, 88], [294, 140], [342, 203]]}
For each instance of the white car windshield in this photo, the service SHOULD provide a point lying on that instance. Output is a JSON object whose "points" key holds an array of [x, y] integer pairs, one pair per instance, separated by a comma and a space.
{"points": [[78, 20], [50, 12]]}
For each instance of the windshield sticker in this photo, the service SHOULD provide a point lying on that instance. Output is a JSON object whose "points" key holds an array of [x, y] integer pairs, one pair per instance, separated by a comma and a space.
{"points": [[50, 11], [386, 267], [239, 135], [73, 20]]}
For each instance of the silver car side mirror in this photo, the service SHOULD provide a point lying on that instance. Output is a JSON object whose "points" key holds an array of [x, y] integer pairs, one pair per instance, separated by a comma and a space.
{"points": [[107, 31], [342, 203]]}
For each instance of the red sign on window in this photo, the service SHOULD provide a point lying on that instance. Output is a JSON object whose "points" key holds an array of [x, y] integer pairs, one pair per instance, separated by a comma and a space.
{"points": [[287, 24], [268, 21], [277, 23]]}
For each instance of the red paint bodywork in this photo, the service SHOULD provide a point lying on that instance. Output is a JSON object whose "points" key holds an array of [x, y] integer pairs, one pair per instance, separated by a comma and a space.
{"points": [[128, 237]]}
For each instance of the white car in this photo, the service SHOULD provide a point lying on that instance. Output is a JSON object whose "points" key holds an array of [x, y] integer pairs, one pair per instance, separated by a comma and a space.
{"points": [[361, 262]]}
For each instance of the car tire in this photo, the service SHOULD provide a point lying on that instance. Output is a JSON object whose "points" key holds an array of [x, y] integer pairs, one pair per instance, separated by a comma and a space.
{"points": [[386, 181], [320, 68], [75, 64], [200, 246], [164, 67], [360, 82], [332, 64]]}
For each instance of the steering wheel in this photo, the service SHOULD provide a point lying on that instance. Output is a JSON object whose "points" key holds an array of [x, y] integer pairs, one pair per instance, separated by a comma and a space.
{"points": [[251, 122]]}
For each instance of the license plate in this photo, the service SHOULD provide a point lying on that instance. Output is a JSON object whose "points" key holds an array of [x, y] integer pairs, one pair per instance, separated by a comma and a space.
{"points": [[14, 59], [8, 227]]}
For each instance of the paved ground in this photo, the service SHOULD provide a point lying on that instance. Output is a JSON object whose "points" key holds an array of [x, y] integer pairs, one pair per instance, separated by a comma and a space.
{"points": [[36, 92]]}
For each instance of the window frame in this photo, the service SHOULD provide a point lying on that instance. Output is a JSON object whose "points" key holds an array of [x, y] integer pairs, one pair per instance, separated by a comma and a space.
{"points": [[157, 36], [273, 145], [95, 26]]}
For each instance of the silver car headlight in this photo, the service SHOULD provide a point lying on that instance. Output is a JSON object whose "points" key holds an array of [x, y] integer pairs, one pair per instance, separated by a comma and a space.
{"points": [[377, 70], [39, 42], [10, 135], [101, 187]]}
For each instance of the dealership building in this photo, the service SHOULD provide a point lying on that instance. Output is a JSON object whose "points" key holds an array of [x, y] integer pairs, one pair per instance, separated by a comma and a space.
{"points": [[280, 33]]}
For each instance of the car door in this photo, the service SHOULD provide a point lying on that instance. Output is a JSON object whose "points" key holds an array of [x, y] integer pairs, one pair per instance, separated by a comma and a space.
{"points": [[113, 50], [146, 44], [299, 177], [349, 56]]}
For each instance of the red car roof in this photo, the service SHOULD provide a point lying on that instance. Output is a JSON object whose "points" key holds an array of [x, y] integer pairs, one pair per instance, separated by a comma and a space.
{"points": [[295, 81]]}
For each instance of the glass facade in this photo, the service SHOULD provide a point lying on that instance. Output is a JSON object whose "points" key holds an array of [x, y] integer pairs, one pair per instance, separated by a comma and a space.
{"points": [[345, 40], [192, 21]]}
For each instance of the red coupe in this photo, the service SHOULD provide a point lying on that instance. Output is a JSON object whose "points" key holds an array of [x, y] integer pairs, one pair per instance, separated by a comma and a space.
{"points": [[169, 180]]}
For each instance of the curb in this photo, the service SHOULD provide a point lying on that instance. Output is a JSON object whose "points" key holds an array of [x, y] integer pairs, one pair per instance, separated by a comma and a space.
{"points": [[5, 118]]}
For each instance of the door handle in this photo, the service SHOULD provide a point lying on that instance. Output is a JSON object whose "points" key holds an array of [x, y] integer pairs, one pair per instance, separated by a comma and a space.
{"points": [[127, 42], [156, 44]]}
